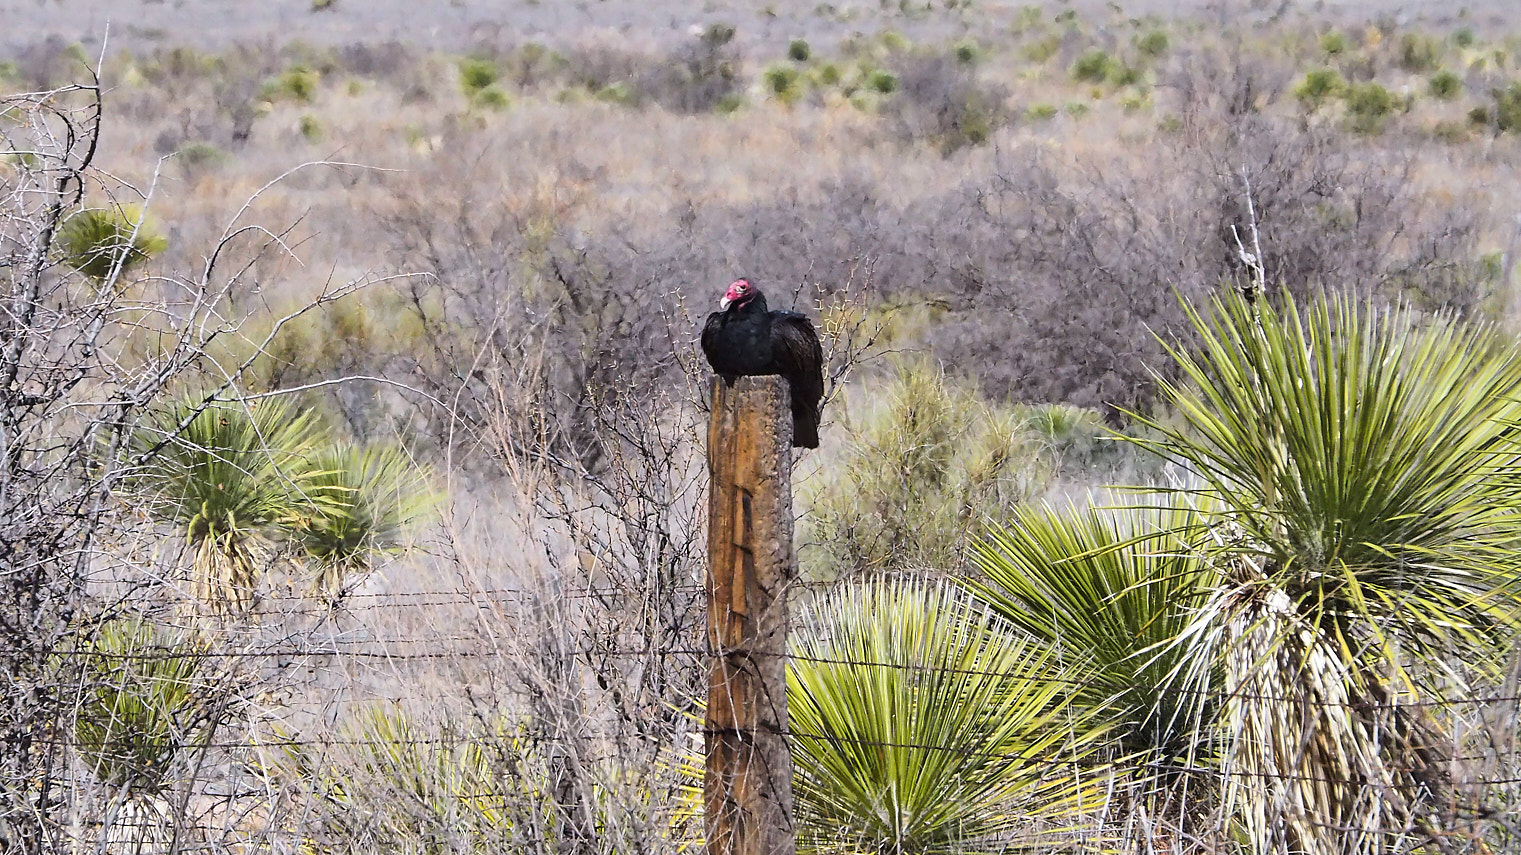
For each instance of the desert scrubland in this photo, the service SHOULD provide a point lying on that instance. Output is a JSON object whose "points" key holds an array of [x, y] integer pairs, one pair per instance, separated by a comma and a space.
{"points": [[354, 495]]}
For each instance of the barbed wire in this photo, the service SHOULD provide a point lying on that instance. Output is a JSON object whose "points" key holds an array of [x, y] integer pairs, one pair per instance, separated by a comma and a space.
{"points": [[491, 649]]}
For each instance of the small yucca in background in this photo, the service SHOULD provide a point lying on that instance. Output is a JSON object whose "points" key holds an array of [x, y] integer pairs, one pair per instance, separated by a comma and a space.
{"points": [[365, 500], [102, 242], [229, 474], [145, 687]]}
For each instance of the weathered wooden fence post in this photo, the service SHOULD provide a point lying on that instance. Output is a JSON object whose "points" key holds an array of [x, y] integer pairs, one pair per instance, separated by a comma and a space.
{"points": [[748, 778]]}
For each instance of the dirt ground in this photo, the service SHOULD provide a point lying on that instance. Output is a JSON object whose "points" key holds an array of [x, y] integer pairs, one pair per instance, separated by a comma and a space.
{"points": [[140, 25]]}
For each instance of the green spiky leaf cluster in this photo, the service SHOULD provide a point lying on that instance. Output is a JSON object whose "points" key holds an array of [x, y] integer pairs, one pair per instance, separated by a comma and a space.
{"points": [[141, 706], [240, 480], [102, 242], [1365, 456], [370, 497], [1362, 462], [1110, 593], [921, 727]]}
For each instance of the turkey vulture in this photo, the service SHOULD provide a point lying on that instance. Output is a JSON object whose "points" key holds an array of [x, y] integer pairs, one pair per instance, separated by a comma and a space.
{"points": [[743, 339]]}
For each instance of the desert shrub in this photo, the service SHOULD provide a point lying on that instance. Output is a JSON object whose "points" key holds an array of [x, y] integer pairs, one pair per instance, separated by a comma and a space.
{"points": [[1040, 112], [882, 81], [784, 83], [1333, 43], [1507, 108], [1369, 107], [967, 53], [829, 74], [199, 157], [1152, 44], [389, 61], [798, 50], [298, 83], [310, 128], [1042, 49], [926, 459], [1318, 85], [1095, 66], [943, 102], [476, 75], [698, 75], [1445, 85], [1463, 38], [924, 726], [1419, 53], [401, 782]]}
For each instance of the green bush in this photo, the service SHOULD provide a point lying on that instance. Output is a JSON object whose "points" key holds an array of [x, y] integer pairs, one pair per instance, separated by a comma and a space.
{"points": [[1040, 112], [1095, 66], [883, 81], [492, 98], [310, 128], [477, 74], [1463, 38], [798, 50], [1318, 85], [405, 784], [1333, 43], [297, 83], [1042, 49], [1153, 44], [1507, 111], [730, 103], [784, 83], [925, 461], [1369, 106], [967, 53], [1446, 85], [829, 74], [1419, 53]]}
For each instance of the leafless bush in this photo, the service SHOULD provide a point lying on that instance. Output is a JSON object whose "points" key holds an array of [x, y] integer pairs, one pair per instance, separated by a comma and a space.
{"points": [[941, 100], [85, 351]]}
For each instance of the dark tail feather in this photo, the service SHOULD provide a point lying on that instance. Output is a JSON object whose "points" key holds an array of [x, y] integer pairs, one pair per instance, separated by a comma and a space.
{"points": [[805, 424]]}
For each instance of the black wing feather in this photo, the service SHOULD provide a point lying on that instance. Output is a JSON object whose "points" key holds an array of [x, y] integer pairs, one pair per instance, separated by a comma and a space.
{"points": [[798, 356]]}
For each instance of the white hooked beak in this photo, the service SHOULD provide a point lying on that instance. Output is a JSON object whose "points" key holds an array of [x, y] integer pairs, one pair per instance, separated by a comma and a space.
{"points": [[724, 302]]}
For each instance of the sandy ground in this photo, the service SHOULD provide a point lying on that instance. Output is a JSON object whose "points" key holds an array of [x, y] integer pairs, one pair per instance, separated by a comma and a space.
{"points": [[140, 25]]}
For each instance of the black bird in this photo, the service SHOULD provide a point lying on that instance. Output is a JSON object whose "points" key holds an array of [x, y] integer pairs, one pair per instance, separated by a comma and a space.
{"points": [[743, 339]]}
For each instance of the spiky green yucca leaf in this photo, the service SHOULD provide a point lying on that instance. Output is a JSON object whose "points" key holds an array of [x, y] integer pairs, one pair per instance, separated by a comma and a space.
{"points": [[227, 473], [142, 689], [1363, 464], [101, 241], [920, 727], [1110, 592], [372, 496], [1366, 456], [403, 783]]}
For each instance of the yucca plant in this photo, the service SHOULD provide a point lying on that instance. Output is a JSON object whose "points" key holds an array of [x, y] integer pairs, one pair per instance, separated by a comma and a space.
{"points": [[921, 727], [143, 689], [367, 499], [227, 474], [1109, 594], [1362, 462], [105, 242], [404, 784]]}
